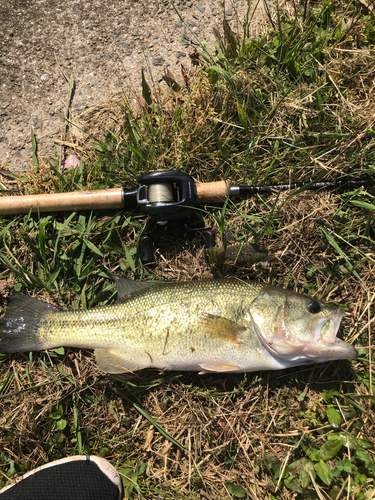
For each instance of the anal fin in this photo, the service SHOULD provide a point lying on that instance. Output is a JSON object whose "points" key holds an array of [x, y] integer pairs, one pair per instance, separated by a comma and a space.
{"points": [[110, 362]]}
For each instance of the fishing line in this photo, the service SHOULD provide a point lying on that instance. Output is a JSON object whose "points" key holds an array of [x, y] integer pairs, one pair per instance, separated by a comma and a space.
{"points": [[160, 193]]}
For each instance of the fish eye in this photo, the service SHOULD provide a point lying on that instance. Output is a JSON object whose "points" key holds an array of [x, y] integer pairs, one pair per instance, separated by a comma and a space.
{"points": [[314, 307]]}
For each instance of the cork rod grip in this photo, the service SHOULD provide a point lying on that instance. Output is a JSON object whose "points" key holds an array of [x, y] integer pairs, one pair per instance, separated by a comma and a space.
{"points": [[80, 200], [214, 192]]}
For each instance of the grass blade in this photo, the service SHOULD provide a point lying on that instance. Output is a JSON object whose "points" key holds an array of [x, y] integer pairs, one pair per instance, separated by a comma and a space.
{"points": [[34, 148], [158, 426], [152, 421], [335, 245]]}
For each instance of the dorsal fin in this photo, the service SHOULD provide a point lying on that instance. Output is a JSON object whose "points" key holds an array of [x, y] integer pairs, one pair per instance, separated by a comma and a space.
{"points": [[126, 288]]}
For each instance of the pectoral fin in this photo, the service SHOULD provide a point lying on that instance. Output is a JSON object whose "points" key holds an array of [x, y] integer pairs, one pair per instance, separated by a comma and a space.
{"points": [[216, 366], [221, 328], [110, 362]]}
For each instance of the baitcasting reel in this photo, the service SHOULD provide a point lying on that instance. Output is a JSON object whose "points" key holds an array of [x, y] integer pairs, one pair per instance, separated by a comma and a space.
{"points": [[167, 197]]}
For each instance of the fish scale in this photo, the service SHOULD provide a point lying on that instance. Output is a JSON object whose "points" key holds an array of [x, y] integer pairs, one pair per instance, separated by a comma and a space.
{"points": [[209, 326]]}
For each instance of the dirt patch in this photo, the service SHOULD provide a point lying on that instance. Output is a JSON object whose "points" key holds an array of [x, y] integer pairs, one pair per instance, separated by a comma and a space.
{"points": [[103, 45]]}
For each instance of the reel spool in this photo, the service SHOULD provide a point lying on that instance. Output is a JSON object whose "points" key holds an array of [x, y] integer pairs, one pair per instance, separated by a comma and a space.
{"points": [[158, 193], [166, 195]]}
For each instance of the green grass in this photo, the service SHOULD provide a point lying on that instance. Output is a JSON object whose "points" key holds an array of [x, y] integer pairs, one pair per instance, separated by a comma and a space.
{"points": [[295, 104]]}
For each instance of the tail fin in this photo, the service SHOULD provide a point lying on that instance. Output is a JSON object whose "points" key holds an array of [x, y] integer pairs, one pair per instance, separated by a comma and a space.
{"points": [[19, 329]]}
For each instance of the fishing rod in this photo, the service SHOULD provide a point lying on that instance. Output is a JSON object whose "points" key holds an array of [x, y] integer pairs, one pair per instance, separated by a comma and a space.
{"points": [[163, 195], [166, 197]]}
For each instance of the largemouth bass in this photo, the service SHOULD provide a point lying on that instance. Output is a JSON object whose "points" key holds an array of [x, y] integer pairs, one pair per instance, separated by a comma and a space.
{"points": [[209, 326], [240, 253]]}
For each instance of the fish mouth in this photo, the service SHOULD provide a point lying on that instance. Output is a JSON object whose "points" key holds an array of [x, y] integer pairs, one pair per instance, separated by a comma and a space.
{"points": [[327, 345], [325, 329], [323, 345]]}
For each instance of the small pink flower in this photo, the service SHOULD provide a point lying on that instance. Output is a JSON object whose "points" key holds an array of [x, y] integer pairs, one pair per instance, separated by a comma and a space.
{"points": [[142, 104], [71, 162]]}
